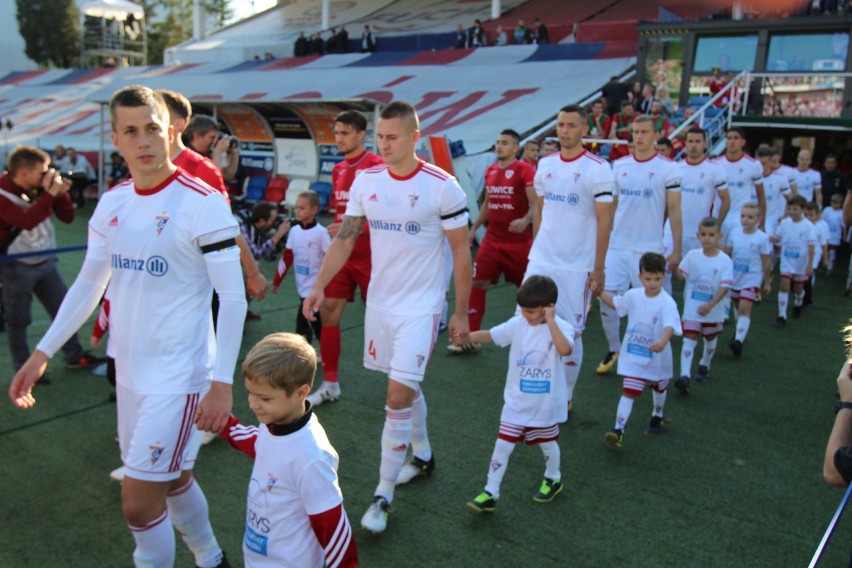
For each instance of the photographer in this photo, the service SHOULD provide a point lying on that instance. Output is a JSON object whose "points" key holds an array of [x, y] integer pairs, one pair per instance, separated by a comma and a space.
{"points": [[203, 136], [256, 229], [30, 193], [837, 466]]}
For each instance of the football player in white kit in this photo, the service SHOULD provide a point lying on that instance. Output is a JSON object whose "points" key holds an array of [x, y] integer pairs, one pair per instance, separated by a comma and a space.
{"points": [[163, 240], [410, 206]]}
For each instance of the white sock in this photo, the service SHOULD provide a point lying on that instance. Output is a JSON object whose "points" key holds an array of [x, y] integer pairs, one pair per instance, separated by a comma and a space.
{"points": [[743, 323], [611, 322], [572, 366], [659, 403], [783, 300], [798, 298], [709, 351], [419, 435], [396, 436], [155, 543], [552, 457], [499, 461], [625, 407], [189, 514], [687, 352]]}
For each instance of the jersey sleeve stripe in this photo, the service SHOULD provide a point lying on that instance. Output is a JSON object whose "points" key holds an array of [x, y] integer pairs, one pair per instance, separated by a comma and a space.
{"points": [[437, 172], [451, 215]]}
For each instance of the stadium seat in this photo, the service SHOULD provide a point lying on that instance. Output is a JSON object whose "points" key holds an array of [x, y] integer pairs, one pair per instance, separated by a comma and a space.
{"points": [[697, 101], [323, 188], [277, 189], [255, 188]]}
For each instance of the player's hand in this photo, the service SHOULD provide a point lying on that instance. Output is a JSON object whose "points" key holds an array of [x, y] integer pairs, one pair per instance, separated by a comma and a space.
{"points": [[809, 270], [703, 309], [549, 313], [844, 382], [597, 280], [94, 341], [20, 391], [257, 285], [471, 236], [767, 288], [333, 229], [658, 346], [215, 408], [459, 329], [222, 144], [311, 305], [282, 230], [54, 184], [673, 261], [519, 225]]}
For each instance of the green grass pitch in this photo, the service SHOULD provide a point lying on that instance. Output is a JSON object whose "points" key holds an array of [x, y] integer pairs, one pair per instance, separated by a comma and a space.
{"points": [[734, 480]]}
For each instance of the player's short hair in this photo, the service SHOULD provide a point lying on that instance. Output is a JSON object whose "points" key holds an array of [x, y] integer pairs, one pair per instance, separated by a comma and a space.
{"points": [[797, 200], [403, 110], [697, 130], [837, 197], [739, 130], [646, 118], [552, 142], [25, 158], [537, 292], [284, 361], [528, 142], [178, 105], [353, 118], [811, 206], [312, 197], [763, 152], [261, 211], [584, 114], [751, 205], [137, 96], [663, 141], [775, 150], [710, 222], [200, 125], [652, 262], [513, 134]]}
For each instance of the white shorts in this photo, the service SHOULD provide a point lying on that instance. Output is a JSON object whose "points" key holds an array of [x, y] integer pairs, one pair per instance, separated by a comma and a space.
{"points": [[399, 346], [622, 270], [572, 305], [157, 433]]}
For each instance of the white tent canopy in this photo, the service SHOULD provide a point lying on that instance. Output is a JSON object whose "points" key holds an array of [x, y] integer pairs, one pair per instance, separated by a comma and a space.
{"points": [[117, 9]]}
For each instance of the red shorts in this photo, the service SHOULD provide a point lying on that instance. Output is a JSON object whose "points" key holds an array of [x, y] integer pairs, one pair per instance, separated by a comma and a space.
{"points": [[356, 272], [508, 259], [703, 329], [530, 434], [796, 277], [746, 294]]}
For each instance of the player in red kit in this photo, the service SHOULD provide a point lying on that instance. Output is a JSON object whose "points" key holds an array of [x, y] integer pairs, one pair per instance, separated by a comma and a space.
{"points": [[508, 210], [350, 128]]}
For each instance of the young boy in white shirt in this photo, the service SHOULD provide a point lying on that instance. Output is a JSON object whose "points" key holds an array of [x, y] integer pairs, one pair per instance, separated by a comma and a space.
{"points": [[295, 513], [751, 253], [646, 354], [796, 237], [305, 249], [708, 272], [833, 216], [822, 233], [536, 393]]}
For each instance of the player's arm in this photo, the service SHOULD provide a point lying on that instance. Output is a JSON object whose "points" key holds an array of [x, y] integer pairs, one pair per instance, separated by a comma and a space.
{"points": [[809, 269], [673, 203], [660, 344], [255, 281], [794, 189], [607, 298], [766, 261], [335, 536], [539, 208], [604, 214], [283, 266], [725, 205], [222, 261], [562, 344], [721, 293], [818, 195], [335, 258], [459, 330], [847, 209], [761, 203], [481, 218], [841, 433], [520, 224], [239, 436], [481, 336]]}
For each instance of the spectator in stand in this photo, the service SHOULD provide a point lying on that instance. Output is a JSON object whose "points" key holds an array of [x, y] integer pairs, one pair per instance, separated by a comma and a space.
{"points": [[331, 42], [461, 38], [635, 93], [662, 124], [341, 44], [82, 173], [501, 38], [614, 92], [620, 123], [476, 35], [117, 170], [833, 180], [316, 45], [648, 97], [59, 154], [530, 153], [679, 142], [522, 34], [666, 102], [598, 121], [268, 56], [715, 83], [368, 43], [300, 48], [541, 36]]}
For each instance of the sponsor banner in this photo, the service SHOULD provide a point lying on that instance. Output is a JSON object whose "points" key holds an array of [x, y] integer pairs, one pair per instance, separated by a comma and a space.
{"points": [[296, 158]]}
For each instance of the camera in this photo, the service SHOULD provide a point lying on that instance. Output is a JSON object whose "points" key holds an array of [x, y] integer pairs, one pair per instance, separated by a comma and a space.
{"points": [[282, 217], [75, 177], [233, 141]]}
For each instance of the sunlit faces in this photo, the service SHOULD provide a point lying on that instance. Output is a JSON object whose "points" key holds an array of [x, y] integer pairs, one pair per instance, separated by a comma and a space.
{"points": [[695, 146], [812, 215], [275, 406], [304, 211], [397, 139], [505, 148], [766, 162], [143, 139], [644, 137], [734, 143], [531, 151], [794, 212], [203, 142], [348, 138], [803, 160], [709, 238], [749, 217], [652, 282], [570, 129], [534, 316]]}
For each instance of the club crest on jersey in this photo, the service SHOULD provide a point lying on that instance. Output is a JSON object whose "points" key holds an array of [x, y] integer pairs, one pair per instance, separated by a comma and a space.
{"points": [[156, 452], [509, 174], [114, 221], [271, 480], [577, 176], [421, 358], [412, 198], [650, 175], [161, 223]]}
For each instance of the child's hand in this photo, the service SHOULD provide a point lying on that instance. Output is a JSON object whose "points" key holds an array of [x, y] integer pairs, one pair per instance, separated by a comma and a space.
{"points": [[767, 288], [703, 309], [549, 313], [275, 288], [809, 270], [658, 346], [95, 340]]}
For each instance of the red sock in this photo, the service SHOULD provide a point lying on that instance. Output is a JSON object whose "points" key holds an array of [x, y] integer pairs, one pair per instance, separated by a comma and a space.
{"points": [[330, 351], [477, 308]]}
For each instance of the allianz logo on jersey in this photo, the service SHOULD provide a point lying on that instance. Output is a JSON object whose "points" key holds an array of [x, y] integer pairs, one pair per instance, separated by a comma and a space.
{"points": [[647, 193], [572, 199], [412, 227], [154, 265]]}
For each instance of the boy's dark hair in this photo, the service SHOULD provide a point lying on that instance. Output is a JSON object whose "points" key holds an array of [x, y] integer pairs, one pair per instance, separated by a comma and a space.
{"points": [[583, 113], [812, 206], [261, 211], [697, 130], [137, 96], [513, 134], [710, 222], [179, 106], [284, 361], [652, 262], [537, 292], [353, 118], [797, 200], [312, 197], [739, 130], [763, 152], [663, 141], [25, 158]]}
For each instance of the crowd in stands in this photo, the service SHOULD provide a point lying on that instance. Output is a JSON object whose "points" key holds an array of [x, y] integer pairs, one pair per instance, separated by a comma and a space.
{"points": [[336, 42]]}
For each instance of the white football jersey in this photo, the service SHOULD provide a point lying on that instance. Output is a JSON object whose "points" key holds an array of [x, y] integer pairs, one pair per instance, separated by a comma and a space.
{"points": [[407, 219], [699, 186], [807, 182], [795, 237], [742, 175], [821, 231], [777, 190], [746, 251], [642, 189], [705, 275], [646, 319], [834, 218], [308, 246], [536, 394], [159, 290], [570, 189]]}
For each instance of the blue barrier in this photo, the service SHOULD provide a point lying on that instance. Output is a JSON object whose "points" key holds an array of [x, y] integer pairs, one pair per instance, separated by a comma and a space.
{"points": [[5, 257]]}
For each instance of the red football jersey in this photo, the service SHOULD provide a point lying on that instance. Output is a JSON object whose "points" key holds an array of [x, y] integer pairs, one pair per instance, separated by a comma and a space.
{"points": [[203, 168], [342, 177], [506, 199]]}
